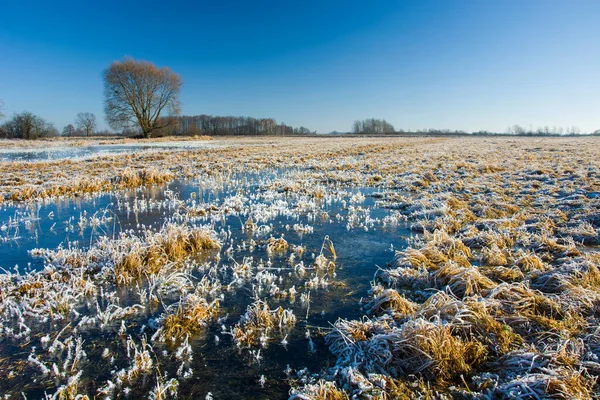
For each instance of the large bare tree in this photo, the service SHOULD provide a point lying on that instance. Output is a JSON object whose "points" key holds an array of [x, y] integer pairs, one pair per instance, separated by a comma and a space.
{"points": [[137, 92], [86, 122]]}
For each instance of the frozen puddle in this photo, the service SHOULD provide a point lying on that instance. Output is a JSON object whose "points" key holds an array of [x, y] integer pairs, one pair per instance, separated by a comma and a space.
{"points": [[59, 153]]}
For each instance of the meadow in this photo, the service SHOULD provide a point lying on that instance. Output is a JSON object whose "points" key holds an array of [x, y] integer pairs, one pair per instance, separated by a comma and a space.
{"points": [[304, 268]]}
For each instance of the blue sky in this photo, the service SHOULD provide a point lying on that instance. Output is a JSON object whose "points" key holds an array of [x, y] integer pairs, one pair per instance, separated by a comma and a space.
{"points": [[459, 64]]}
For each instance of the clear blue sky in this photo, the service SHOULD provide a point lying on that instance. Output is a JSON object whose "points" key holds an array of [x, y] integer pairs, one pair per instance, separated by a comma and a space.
{"points": [[457, 64]]}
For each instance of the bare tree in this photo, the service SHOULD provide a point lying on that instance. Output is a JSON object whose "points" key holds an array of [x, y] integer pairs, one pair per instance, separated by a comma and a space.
{"points": [[1, 107], [136, 92], [69, 130], [86, 122]]}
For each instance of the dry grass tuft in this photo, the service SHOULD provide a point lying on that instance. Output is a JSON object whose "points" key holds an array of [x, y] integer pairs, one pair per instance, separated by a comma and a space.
{"points": [[519, 303], [411, 258], [390, 301], [259, 322], [529, 262], [189, 316], [462, 281], [589, 277], [130, 178], [571, 385], [395, 389], [499, 338], [549, 244], [277, 245], [168, 247], [321, 390], [493, 256], [503, 274], [449, 356], [441, 247], [29, 288], [323, 262], [250, 225]]}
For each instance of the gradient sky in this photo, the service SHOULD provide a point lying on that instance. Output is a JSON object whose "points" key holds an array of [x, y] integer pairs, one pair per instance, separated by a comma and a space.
{"points": [[459, 64]]}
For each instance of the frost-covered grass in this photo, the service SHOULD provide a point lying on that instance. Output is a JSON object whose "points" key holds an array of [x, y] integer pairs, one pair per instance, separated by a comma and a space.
{"points": [[497, 294]]}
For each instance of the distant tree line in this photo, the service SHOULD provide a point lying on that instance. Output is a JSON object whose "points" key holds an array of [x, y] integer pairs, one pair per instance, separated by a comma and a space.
{"points": [[379, 126], [543, 131], [372, 126], [71, 131], [436, 132], [28, 126], [229, 125], [513, 130]]}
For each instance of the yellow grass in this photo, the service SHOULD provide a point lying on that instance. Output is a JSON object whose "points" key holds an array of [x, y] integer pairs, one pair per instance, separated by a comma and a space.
{"points": [[189, 317]]}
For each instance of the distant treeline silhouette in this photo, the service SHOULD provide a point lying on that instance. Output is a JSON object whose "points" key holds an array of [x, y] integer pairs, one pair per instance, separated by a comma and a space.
{"points": [[228, 125], [372, 126], [28, 126], [514, 130]]}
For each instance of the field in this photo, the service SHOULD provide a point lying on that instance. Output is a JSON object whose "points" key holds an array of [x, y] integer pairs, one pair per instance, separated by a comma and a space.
{"points": [[304, 268]]}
